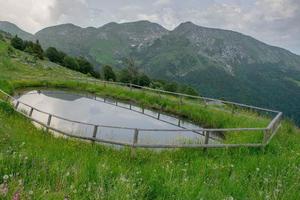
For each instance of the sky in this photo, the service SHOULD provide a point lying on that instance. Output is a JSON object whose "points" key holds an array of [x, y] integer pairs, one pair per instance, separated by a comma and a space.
{"points": [[276, 22]]}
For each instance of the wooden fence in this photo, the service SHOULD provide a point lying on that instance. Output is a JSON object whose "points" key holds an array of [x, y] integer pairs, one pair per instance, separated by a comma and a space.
{"points": [[268, 132]]}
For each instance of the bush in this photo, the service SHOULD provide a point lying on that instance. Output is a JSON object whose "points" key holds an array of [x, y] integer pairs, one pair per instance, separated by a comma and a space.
{"points": [[17, 43], [84, 65], [108, 73], [70, 63], [144, 80], [55, 56]]}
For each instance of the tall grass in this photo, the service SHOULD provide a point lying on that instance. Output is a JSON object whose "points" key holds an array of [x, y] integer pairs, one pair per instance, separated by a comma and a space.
{"points": [[40, 166]]}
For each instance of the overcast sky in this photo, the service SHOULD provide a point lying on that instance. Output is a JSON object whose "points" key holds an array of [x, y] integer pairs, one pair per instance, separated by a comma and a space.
{"points": [[276, 22]]}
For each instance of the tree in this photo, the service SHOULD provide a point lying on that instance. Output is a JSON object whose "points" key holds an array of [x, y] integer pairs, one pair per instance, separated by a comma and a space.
{"points": [[17, 43], [55, 56], [38, 50], [189, 90], [84, 65], [70, 63], [108, 73], [144, 80], [171, 87], [96, 74]]}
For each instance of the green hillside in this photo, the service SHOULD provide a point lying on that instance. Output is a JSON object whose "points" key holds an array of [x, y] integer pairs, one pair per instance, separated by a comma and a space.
{"points": [[218, 63], [37, 165], [15, 30]]}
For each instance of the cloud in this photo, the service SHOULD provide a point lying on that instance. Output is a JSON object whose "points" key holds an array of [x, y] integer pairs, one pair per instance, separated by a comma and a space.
{"points": [[153, 17], [276, 22], [27, 16], [161, 2]]}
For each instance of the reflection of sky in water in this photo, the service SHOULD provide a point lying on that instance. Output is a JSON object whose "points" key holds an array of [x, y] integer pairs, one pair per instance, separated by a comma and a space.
{"points": [[83, 109]]}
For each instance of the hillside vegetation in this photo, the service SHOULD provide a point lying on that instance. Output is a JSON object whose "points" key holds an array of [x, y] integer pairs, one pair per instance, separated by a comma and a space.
{"points": [[218, 63], [36, 165]]}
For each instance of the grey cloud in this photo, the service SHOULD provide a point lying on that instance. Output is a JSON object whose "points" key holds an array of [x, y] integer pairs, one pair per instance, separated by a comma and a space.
{"points": [[276, 22]]}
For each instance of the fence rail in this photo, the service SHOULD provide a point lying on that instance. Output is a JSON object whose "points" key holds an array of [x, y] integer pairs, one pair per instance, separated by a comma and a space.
{"points": [[268, 132]]}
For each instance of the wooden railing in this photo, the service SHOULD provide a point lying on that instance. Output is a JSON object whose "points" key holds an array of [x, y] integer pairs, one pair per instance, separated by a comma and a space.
{"points": [[268, 132]]}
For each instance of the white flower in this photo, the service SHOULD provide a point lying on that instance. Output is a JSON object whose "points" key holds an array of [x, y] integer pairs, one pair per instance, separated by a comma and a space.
{"points": [[257, 169], [30, 192], [5, 177]]}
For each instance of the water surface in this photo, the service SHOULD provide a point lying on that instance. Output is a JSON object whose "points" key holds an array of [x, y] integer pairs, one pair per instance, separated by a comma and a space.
{"points": [[96, 111]]}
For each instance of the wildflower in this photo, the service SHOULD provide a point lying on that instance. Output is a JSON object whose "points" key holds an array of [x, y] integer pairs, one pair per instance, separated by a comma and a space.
{"points": [[68, 174], [5, 177], [30, 192], [17, 196], [257, 169], [3, 189]]}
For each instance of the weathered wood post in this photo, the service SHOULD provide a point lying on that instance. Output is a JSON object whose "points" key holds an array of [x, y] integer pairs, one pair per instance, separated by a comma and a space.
{"points": [[95, 133], [130, 85], [135, 141], [31, 111], [233, 110], [265, 139], [179, 122], [17, 105], [48, 122], [206, 140], [158, 115]]}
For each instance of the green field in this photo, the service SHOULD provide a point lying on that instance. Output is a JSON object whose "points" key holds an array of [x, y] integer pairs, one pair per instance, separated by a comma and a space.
{"points": [[36, 165]]}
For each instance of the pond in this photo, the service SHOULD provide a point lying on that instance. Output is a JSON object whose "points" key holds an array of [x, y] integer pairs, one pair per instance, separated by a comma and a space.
{"points": [[108, 113]]}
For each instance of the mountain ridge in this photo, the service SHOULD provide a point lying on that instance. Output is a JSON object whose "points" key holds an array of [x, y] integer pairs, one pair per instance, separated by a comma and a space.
{"points": [[218, 63]]}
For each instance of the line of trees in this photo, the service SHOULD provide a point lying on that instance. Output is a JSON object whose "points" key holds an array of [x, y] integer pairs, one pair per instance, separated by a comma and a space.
{"points": [[79, 64], [130, 74], [75, 63], [30, 47]]}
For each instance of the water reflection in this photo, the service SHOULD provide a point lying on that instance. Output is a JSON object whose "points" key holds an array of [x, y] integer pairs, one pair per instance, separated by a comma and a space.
{"points": [[96, 111]]}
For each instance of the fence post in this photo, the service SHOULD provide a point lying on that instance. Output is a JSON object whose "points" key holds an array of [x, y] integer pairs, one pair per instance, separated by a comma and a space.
{"points": [[206, 140], [31, 111], [158, 115], [233, 110], [48, 122], [179, 122], [135, 140], [95, 132], [17, 105], [265, 139], [130, 86], [181, 100]]}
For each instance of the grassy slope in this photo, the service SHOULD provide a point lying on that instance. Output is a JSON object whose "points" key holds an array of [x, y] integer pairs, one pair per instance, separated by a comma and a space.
{"points": [[53, 168]]}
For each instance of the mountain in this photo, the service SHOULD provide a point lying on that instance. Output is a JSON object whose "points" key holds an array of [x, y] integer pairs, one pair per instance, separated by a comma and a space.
{"points": [[104, 45], [15, 30], [218, 63], [226, 64]]}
